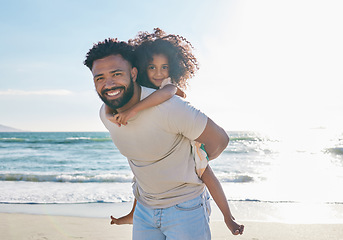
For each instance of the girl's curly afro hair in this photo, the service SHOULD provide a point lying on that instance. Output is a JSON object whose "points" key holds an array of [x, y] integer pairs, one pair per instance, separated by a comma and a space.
{"points": [[182, 63]]}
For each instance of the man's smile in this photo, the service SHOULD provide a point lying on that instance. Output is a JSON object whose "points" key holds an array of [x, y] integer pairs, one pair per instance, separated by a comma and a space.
{"points": [[113, 93]]}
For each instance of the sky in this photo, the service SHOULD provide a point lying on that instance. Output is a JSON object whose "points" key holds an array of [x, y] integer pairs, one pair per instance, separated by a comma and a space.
{"points": [[264, 65]]}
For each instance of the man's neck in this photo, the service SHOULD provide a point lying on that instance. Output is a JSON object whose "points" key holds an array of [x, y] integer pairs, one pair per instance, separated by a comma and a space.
{"points": [[134, 100]]}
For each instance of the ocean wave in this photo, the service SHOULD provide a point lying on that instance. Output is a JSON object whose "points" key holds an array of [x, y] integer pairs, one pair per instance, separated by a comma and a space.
{"points": [[101, 178], [236, 179], [69, 140], [80, 139], [248, 150], [240, 150], [253, 139], [12, 139], [248, 136], [72, 178]]}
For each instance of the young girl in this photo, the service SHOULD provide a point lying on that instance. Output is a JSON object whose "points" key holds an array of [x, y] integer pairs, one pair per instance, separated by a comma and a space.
{"points": [[165, 62]]}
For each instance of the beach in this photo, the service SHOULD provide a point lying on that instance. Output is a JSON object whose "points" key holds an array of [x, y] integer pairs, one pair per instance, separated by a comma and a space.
{"points": [[91, 221], [25, 226]]}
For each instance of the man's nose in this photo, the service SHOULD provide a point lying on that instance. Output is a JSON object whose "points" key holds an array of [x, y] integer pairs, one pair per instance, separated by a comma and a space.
{"points": [[109, 83]]}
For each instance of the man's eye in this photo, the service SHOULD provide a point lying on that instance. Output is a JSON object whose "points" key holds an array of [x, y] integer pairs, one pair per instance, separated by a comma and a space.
{"points": [[117, 74], [99, 79]]}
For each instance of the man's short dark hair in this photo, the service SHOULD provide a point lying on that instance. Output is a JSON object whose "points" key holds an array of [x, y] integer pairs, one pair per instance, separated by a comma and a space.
{"points": [[108, 47]]}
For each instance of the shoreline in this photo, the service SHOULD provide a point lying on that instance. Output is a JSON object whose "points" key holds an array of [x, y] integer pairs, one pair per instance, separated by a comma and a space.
{"points": [[251, 211]]}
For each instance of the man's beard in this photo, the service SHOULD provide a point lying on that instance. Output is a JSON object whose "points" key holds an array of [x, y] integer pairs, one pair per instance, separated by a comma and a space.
{"points": [[121, 101]]}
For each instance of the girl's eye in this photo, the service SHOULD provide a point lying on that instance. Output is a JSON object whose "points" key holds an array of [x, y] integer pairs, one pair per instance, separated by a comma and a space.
{"points": [[165, 67], [151, 67]]}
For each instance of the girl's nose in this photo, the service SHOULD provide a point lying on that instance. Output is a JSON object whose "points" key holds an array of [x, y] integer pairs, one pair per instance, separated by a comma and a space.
{"points": [[159, 72]]}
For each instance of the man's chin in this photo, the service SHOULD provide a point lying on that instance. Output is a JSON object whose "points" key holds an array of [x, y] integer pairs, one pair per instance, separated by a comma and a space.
{"points": [[115, 104], [112, 105]]}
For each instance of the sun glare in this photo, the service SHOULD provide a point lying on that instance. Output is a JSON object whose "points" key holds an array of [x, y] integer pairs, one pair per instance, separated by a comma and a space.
{"points": [[275, 65]]}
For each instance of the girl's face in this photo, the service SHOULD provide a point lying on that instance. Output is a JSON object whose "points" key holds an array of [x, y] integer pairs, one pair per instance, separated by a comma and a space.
{"points": [[158, 69]]}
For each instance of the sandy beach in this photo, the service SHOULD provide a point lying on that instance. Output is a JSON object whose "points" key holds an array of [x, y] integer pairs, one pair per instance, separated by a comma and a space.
{"points": [[263, 221], [25, 226]]}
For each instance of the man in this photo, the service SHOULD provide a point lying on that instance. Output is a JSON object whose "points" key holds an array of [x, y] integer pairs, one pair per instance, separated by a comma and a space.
{"points": [[172, 202]]}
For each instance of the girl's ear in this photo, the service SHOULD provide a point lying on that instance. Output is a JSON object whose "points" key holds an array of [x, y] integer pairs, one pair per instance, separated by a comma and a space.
{"points": [[134, 73]]}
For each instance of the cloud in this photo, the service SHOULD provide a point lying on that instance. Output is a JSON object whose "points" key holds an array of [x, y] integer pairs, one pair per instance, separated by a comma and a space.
{"points": [[54, 92]]}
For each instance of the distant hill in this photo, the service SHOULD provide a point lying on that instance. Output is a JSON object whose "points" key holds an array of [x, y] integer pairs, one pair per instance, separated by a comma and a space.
{"points": [[4, 128]]}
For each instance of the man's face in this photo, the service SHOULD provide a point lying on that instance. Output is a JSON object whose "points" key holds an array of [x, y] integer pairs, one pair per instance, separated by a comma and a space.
{"points": [[113, 78]]}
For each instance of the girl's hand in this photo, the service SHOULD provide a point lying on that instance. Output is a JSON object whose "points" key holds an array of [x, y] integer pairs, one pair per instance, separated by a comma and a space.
{"points": [[235, 228], [114, 220], [110, 115], [127, 219], [123, 117], [113, 118]]}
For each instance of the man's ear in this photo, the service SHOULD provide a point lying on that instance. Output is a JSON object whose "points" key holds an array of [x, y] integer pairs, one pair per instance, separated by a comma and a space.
{"points": [[134, 73]]}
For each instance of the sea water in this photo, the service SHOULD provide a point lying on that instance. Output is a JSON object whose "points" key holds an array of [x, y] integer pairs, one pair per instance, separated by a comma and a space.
{"points": [[85, 167]]}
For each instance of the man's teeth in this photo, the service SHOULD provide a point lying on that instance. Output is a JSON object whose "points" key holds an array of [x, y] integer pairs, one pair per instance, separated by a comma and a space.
{"points": [[113, 93]]}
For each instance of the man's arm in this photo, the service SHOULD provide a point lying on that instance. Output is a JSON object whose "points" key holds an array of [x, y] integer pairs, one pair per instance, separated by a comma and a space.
{"points": [[214, 138]]}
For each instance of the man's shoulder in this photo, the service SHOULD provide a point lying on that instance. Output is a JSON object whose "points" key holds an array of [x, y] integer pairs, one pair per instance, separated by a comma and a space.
{"points": [[145, 92], [102, 113], [174, 101]]}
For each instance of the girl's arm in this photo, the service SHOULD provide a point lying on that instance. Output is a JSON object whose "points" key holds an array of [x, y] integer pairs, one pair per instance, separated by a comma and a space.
{"points": [[154, 99]]}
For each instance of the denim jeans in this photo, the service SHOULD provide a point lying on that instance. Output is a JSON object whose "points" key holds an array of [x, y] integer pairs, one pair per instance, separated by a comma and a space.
{"points": [[185, 221]]}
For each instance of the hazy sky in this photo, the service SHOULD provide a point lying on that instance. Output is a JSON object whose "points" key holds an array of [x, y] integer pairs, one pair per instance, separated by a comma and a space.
{"points": [[264, 65]]}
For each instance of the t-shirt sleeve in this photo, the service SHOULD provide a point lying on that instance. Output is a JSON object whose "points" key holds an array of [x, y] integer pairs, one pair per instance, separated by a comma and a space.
{"points": [[165, 82], [102, 113], [103, 118], [185, 119]]}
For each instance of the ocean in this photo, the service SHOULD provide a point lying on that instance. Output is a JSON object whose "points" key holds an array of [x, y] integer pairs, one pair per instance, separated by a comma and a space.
{"points": [[64, 168]]}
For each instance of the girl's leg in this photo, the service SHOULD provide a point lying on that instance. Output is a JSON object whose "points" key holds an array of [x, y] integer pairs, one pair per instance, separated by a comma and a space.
{"points": [[218, 195]]}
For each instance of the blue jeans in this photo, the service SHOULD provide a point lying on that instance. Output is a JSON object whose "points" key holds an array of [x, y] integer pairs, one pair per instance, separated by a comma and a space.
{"points": [[185, 221]]}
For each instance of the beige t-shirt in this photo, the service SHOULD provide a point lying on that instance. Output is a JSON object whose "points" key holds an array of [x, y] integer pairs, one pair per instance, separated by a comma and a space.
{"points": [[157, 144]]}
